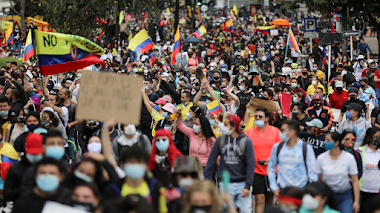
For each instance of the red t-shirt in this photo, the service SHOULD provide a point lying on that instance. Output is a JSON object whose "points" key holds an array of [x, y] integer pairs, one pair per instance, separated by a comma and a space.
{"points": [[337, 99], [262, 145], [377, 83]]}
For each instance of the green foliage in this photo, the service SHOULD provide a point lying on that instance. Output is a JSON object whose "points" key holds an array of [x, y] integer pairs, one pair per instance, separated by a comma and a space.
{"points": [[32, 7], [3, 61]]}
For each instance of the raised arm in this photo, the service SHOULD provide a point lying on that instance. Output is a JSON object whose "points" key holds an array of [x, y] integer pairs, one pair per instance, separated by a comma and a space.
{"points": [[146, 100], [106, 142]]}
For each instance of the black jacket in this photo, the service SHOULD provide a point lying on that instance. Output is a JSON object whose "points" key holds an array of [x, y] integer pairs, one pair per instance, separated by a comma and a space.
{"points": [[32, 203], [12, 185], [114, 191]]}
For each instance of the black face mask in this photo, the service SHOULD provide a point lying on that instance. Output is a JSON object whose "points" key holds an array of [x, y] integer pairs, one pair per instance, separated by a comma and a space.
{"points": [[200, 209], [304, 73], [88, 207], [317, 105], [339, 89], [294, 114], [28, 92], [376, 142]]}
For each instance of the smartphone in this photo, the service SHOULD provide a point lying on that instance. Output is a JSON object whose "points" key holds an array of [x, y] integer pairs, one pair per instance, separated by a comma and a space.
{"points": [[226, 180]]}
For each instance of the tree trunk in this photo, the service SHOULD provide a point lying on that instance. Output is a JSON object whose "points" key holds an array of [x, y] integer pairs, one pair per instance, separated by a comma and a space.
{"points": [[22, 14]]}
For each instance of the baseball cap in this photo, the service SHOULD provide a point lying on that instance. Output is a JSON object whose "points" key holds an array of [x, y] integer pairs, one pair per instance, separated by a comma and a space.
{"points": [[315, 122], [223, 65], [216, 93], [354, 106], [352, 91], [338, 84], [165, 74], [169, 107], [370, 61], [201, 65], [360, 57], [364, 79], [289, 61], [33, 144], [187, 86], [236, 120], [212, 64], [317, 96], [160, 101]]}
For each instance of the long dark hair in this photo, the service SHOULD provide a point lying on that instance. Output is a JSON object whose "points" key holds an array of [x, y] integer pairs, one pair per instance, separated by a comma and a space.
{"points": [[55, 122], [206, 128], [337, 137], [369, 135]]}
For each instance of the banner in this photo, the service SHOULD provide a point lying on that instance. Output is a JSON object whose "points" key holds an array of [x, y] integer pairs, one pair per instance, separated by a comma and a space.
{"points": [[4, 24], [256, 103]]}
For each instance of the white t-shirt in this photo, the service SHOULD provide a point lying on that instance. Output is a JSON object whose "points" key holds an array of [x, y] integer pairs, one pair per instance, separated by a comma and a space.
{"points": [[64, 115], [371, 173], [336, 173]]}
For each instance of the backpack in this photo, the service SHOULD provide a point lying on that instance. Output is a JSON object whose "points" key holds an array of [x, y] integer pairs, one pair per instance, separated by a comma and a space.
{"points": [[241, 144], [140, 143], [304, 152]]}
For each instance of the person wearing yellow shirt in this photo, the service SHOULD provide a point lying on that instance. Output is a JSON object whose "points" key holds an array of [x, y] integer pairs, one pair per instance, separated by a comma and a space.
{"points": [[186, 103], [156, 112], [134, 162], [314, 84], [317, 72]]}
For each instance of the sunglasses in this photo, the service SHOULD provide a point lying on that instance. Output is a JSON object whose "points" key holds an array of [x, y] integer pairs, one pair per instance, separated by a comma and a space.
{"points": [[352, 139], [259, 116]]}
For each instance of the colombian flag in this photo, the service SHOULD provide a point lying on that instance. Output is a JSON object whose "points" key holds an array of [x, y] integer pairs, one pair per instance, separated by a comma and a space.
{"points": [[29, 51], [177, 45], [58, 52], [9, 156], [232, 15], [152, 58], [292, 42], [264, 29], [8, 35], [141, 42], [228, 26], [214, 107], [201, 30]]}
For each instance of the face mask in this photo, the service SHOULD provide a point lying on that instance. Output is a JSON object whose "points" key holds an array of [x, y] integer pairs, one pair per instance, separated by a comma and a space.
{"points": [[196, 129], [327, 54], [241, 71], [304, 73], [223, 69], [177, 74], [259, 123], [88, 207], [314, 68], [309, 202], [185, 103], [82, 176], [162, 62], [185, 183], [376, 142], [339, 89], [310, 131], [348, 114], [33, 158], [146, 87], [45, 123], [245, 74], [200, 209], [283, 137], [241, 88], [226, 130], [204, 73], [294, 70], [135, 70], [4, 113], [47, 182], [294, 85], [316, 105], [362, 86], [146, 71], [162, 145], [193, 78], [130, 129], [94, 147], [188, 116], [134, 171], [208, 101], [165, 115], [295, 100], [212, 123], [31, 127], [56, 152], [329, 145], [294, 114], [314, 82], [212, 68]]}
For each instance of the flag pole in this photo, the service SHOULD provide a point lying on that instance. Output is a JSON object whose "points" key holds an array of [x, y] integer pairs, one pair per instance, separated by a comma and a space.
{"points": [[36, 54], [287, 44]]}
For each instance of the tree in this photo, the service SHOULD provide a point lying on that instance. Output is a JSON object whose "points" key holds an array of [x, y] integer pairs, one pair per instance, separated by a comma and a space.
{"points": [[350, 9]]}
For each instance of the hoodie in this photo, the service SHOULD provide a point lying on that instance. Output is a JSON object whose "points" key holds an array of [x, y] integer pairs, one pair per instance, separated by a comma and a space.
{"points": [[360, 127], [239, 165], [121, 142]]}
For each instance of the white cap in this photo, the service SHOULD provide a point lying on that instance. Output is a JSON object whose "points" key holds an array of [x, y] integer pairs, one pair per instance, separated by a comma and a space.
{"points": [[360, 57], [370, 61], [338, 84], [212, 64], [165, 74]]}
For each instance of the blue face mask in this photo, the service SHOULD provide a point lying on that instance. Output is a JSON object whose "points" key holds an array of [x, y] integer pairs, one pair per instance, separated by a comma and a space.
{"points": [[83, 176], [56, 152], [283, 137], [79, 74], [329, 145], [245, 74], [162, 62], [162, 145], [47, 182], [295, 100], [34, 158], [203, 91], [348, 115], [177, 74], [212, 123], [208, 101], [204, 73], [185, 103], [135, 70], [156, 107], [294, 85], [259, 123], [4, 113], [165, 115], [134, 171], [241, 88], [223, 69]]}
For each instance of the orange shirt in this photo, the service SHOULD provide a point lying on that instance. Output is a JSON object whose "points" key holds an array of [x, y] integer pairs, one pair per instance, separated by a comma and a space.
{"points": [[262, 145]]}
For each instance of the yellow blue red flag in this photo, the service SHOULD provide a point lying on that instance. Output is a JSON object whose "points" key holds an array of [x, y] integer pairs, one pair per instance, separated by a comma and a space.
{"points": [[214, 107], [201, 30], [29, 50], [141, 42], [8, 35], [229, 26], [58, 52], [177, 45]]}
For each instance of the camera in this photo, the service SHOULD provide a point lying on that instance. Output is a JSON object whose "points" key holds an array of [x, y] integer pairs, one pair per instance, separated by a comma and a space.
{"points": [[93, 124], [262, 162]]}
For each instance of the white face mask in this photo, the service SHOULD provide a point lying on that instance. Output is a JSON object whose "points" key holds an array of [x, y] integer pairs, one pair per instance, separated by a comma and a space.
{"points": [[185, 183], [226, 130], [130, 129], [94, 147], [309, 202], [314, 82]]}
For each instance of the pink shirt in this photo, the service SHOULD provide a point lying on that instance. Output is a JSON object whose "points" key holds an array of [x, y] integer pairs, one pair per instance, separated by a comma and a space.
{"points": [[206, 148], [192, 62]]}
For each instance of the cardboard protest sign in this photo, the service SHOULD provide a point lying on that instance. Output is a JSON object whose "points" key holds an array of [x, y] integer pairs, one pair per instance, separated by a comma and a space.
{"points": [[256, 103], [103, 95], [51, 206]]}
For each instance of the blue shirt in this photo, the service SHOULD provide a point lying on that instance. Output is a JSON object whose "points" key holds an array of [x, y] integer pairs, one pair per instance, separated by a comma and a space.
{"points": [[291, 166]]}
